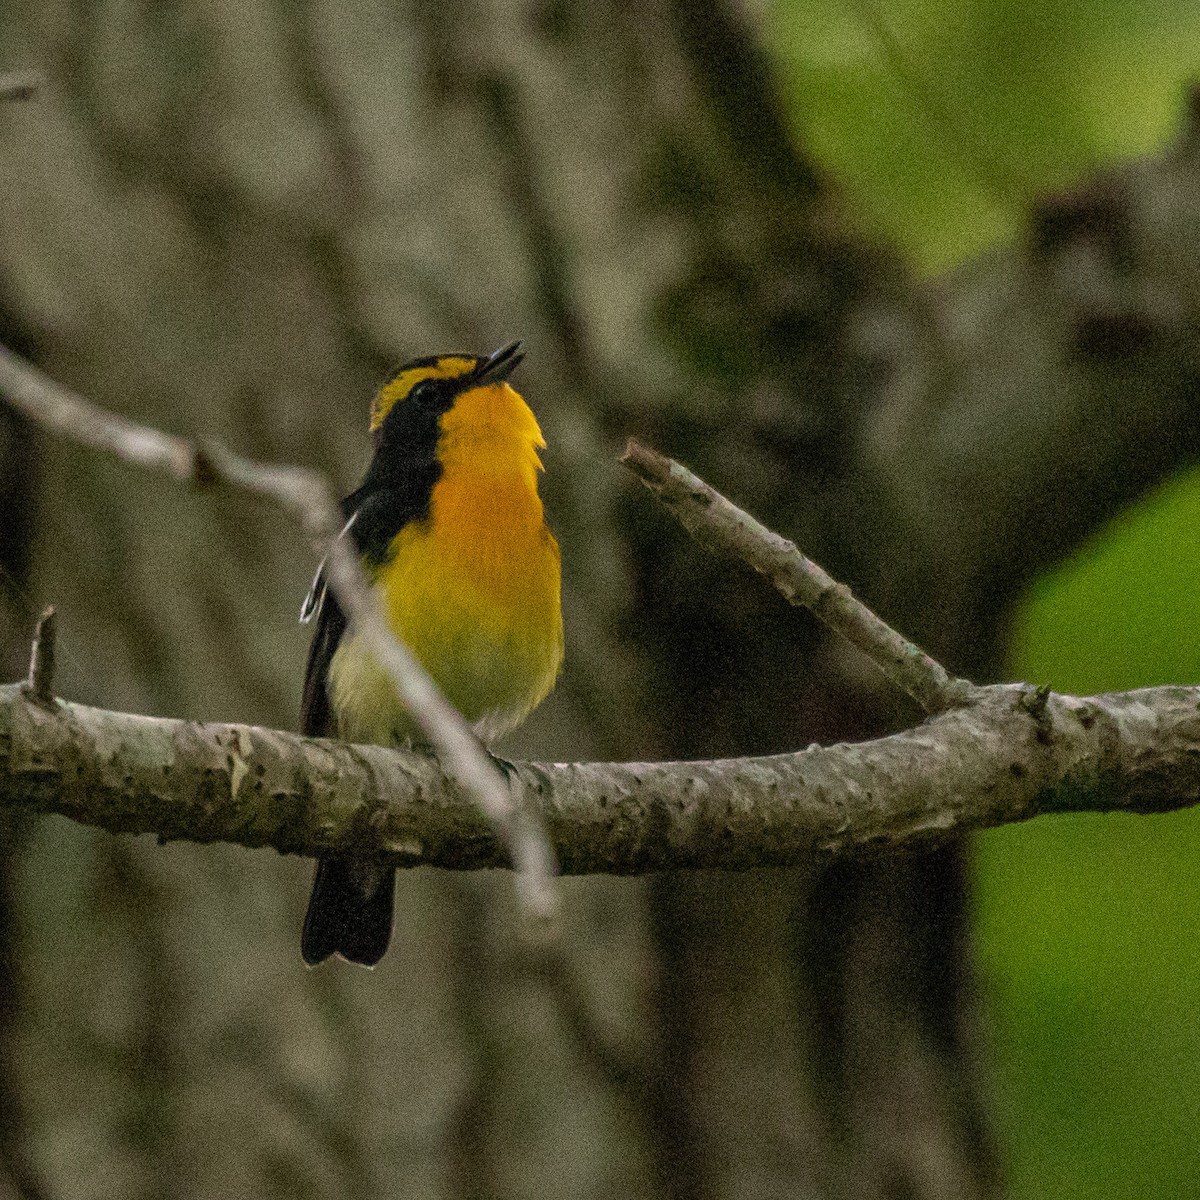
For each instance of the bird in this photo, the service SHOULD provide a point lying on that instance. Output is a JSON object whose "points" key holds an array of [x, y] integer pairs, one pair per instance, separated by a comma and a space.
{"points": [[450, 529]]}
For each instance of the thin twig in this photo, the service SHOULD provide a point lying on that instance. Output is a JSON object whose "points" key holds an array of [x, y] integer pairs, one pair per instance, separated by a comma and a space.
{"points": [[718, 524], [20, 85], [306, 495], [40, 685]]}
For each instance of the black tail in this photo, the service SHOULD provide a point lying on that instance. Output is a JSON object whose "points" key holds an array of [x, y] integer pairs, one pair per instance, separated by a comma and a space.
{"points": [[349, 912]]}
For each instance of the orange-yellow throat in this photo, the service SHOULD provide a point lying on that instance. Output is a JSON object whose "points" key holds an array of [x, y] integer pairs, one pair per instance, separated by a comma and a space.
{"points": [[474, 588]]}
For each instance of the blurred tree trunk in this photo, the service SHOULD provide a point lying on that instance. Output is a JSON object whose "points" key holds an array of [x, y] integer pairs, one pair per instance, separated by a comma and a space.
{"points": [[234, 221]]}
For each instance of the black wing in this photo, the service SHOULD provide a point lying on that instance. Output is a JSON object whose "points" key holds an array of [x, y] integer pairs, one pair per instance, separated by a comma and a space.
{"points": [[350, 909], [316, 713], [374, 517]]}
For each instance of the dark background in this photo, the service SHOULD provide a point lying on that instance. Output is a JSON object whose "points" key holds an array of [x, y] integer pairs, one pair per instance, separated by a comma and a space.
{"points": [[872, 271]]}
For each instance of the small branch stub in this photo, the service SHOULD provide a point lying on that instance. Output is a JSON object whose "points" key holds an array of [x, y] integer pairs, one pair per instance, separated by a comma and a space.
{"points": [[40, 684]]}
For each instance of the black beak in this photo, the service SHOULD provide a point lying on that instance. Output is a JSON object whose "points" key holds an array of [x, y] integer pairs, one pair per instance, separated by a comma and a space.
{"points": [[500, 364]]}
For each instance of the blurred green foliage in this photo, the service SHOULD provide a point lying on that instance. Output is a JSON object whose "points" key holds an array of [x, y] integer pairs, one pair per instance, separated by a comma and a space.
{"points": [[1090, 926], [940, 123]]}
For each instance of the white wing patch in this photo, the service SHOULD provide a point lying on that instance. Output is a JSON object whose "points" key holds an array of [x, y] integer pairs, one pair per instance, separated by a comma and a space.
{"points": [[316, 594]]}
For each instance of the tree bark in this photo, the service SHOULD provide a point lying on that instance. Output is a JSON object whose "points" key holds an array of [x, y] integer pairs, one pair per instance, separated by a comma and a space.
{"points": [[235, 224]]}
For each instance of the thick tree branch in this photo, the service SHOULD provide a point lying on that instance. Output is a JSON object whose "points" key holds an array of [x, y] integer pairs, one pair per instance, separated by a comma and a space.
{"points": [[1011, 754], [1043, 389], [307, 496]]}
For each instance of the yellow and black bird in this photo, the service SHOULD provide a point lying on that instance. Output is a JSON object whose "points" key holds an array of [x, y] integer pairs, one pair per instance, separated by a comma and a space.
{"points": [[451, 533]]}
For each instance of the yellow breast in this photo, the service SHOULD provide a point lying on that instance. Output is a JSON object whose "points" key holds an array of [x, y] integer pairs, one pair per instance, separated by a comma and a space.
{"points": [[474, 590]]}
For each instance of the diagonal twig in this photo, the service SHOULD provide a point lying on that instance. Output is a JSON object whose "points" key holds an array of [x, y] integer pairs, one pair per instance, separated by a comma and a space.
{"points": [[307, 496], [718, 524]]}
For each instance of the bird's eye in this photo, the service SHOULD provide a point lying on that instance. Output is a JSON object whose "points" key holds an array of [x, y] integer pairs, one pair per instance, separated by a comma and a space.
{"points": [[424, 393]]}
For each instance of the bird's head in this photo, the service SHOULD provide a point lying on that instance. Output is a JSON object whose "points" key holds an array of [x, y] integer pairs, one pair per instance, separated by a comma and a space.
{"points": [[426, 388]]}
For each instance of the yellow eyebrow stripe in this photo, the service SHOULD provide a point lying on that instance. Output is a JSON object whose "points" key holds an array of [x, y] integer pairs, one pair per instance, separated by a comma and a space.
{"points": [[396, 388]]}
